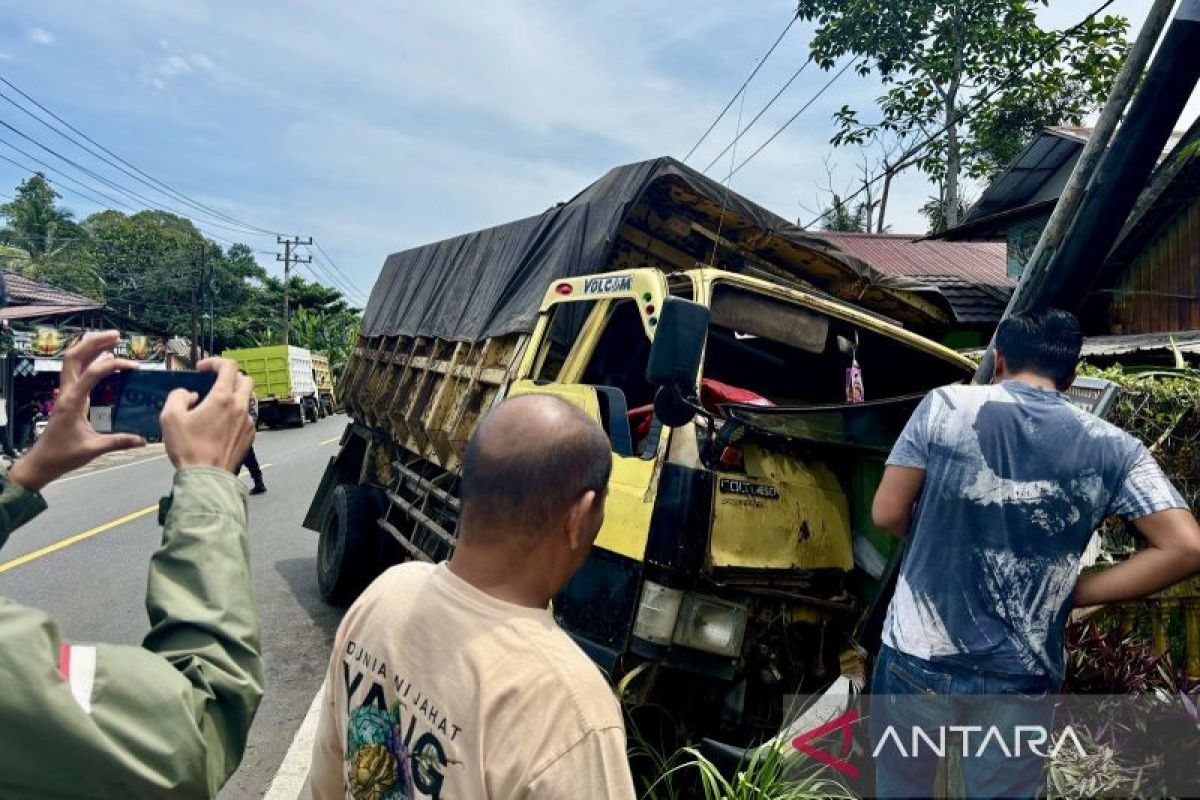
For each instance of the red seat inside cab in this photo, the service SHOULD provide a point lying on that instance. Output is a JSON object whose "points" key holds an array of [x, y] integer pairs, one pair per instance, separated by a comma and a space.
{"points": [[713, 394]]}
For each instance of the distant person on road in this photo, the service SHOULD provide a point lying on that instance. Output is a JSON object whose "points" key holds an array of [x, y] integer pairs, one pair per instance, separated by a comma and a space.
{"points": [[168, 719], [250, 463], [999, 489], [25, 415], [454, 680], [5, 446]]}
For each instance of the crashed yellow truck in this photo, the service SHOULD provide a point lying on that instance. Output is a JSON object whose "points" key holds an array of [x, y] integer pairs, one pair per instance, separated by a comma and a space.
{"points": [[717, 346]]}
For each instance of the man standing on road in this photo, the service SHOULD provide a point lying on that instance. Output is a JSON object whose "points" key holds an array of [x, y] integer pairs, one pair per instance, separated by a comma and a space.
{"points": [[454, 680], [250, 462], [168, 719], [5, 447], [999, 489]]}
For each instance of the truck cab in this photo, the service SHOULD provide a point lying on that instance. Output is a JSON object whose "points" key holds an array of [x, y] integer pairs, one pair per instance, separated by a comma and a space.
{"points": [[737, 552]]}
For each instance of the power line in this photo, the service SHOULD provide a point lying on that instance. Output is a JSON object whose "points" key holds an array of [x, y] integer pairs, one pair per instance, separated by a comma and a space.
{"points": [[336, 268], [112, 184], [199, 225], [745, 83], [327, 277], [322, 278], [145, 178], [56, 171], [793, 118], [911, 152], [757, 116], [85, 148], [32, 171], [133, 171], [348, 291], [340, 282]]}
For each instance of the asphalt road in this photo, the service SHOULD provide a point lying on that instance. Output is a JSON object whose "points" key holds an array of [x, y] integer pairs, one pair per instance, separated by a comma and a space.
{"points": [[94, 585]]}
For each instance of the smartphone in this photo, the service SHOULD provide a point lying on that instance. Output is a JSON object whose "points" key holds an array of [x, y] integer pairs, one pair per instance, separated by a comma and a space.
{"points": [[140, 394]]}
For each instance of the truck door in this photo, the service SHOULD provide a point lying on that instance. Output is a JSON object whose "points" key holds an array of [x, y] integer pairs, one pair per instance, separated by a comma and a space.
{"points": [[591, 348]]}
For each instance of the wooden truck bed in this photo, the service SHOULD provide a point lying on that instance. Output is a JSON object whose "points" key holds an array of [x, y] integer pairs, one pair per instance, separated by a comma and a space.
{"points": [[427, 394]]}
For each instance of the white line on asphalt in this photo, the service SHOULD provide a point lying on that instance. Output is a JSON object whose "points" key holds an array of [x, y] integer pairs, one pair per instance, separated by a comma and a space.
{"points": [[107, 469], [293, 770]]}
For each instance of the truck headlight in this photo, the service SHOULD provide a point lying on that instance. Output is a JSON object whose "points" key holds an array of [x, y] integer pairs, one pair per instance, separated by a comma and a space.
{"points": [[657, 612], [670, 616], [712, 625]]}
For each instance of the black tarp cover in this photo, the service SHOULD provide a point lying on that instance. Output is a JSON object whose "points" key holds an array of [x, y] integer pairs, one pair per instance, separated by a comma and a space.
{"points": [[491, 282]]}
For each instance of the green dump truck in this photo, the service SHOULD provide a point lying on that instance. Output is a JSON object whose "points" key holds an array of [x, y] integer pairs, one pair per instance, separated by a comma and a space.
{"points": [[284, 383], [326, 400]]}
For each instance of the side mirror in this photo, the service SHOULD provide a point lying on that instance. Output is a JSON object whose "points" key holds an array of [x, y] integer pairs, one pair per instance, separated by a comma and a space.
{"points": [[672, 408], [675, 360], [678, 344]]}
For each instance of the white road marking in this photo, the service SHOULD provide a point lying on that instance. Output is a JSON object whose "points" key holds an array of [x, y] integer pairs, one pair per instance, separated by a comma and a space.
{"points": [[293, 770], [106, 469]]}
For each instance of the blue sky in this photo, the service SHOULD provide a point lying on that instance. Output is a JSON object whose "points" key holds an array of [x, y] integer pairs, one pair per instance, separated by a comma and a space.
{"points": [[376, 126]]}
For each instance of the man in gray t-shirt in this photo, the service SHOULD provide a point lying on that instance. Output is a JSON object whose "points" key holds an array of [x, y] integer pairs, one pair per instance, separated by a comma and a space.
{"points": [[999, 489]]}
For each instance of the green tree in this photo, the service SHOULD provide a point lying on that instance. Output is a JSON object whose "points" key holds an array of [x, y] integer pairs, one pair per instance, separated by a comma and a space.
{"points": [[329, 332], [48, 245], [983, 70], [150, 265], [935, 212], [841, 217]]}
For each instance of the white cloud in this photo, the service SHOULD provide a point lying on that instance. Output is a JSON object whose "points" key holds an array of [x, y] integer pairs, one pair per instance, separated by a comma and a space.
{"points": [[40, 36], [162, 72], [383, 124]]}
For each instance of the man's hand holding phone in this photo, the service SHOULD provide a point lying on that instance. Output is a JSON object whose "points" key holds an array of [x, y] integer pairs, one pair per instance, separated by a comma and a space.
{"points": [[69, 441], [213, 432]]}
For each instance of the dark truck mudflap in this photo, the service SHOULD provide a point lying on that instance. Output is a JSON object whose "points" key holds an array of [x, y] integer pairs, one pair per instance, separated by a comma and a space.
{"points": [[343, 467]]}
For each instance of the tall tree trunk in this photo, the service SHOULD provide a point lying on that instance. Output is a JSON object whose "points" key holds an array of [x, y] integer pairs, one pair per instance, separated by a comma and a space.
{"points": [[953, 152], [883, 198], [953, 163]]}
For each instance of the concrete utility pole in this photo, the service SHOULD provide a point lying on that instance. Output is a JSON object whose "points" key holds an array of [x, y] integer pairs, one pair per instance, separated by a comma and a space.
{"points": [[1033, 276], [288, 257]]}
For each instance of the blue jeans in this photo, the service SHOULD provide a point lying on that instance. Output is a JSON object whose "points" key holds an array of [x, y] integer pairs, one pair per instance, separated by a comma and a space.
{"points": [[957, 708]]}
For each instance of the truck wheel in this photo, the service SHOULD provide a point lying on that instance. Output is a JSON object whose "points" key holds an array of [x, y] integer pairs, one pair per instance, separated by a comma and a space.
{"points": [[348, 546], [301, 417]]}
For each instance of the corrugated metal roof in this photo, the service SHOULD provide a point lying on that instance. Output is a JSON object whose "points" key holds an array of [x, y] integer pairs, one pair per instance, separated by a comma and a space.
{"points": [[972, 276], [909, 256], [1185, 341], [1042, 158]]}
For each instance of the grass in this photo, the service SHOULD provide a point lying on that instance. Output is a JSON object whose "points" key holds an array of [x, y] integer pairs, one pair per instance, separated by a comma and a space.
{"points": [[767, 773]]}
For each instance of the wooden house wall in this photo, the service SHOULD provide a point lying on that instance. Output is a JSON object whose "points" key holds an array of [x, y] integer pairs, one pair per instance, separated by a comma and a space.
{"points": [[1160, 291]]}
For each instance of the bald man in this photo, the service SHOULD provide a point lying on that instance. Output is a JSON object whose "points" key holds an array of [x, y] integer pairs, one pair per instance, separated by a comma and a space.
{"points": [[454, 680]]}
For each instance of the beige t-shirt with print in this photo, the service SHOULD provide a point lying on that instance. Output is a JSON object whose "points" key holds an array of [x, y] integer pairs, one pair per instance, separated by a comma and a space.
{"points": [[438, 690]]}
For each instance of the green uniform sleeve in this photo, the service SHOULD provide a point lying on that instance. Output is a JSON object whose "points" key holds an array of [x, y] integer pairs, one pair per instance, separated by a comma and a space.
{"points": [[18, 505], [168, 719]]}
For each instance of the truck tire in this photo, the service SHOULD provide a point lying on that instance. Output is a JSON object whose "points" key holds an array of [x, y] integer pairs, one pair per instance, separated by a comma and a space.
{"points": [[349, 545]]}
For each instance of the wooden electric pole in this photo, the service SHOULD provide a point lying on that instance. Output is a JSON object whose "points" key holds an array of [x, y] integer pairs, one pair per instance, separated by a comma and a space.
{"points": [[289, 257], [196, 287]]}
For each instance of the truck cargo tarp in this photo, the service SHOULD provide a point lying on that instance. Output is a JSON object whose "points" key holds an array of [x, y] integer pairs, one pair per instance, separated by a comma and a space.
{"points": [[491, 282]]}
